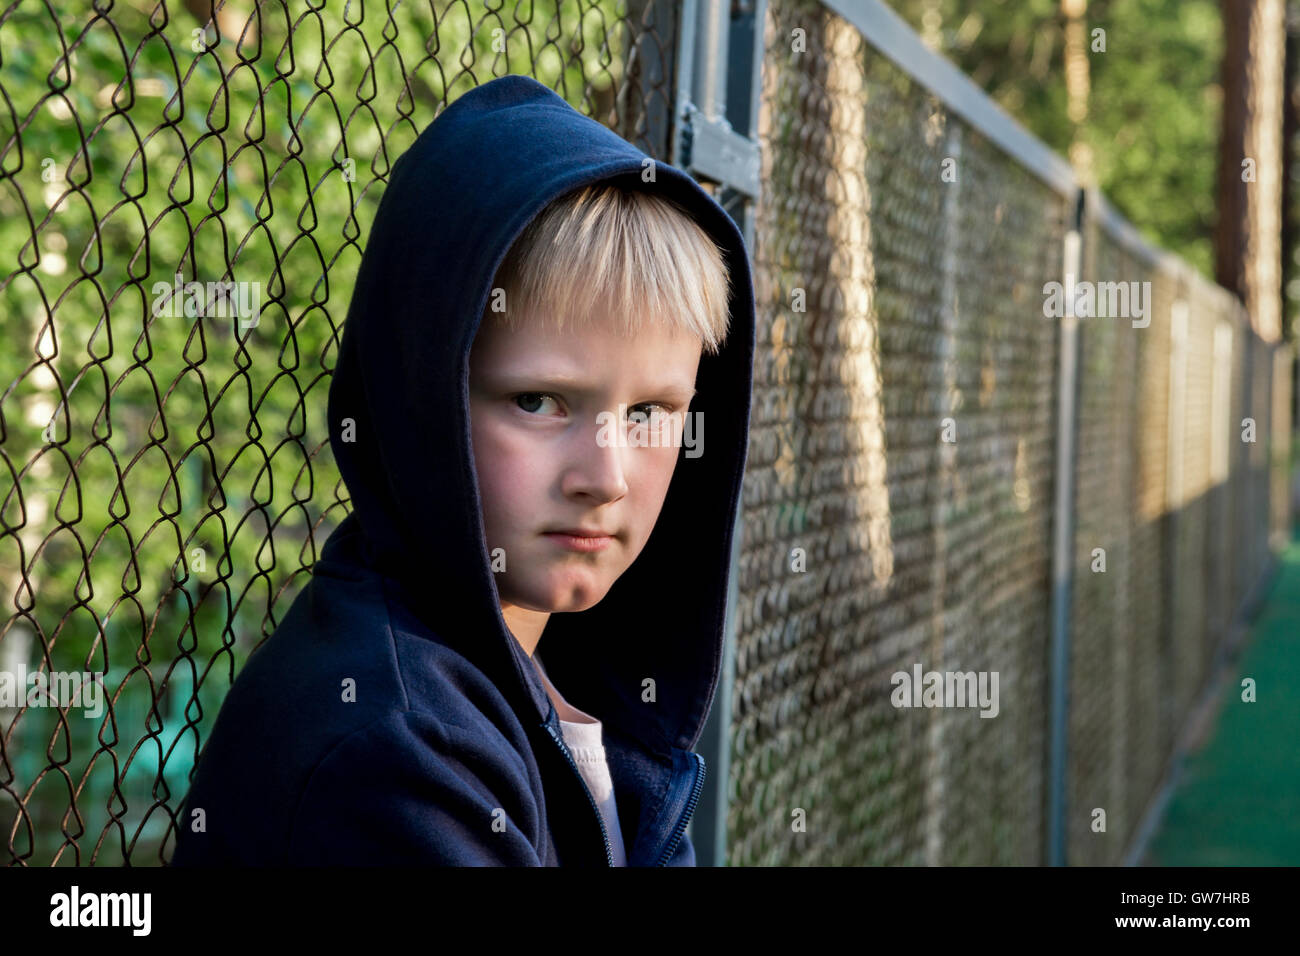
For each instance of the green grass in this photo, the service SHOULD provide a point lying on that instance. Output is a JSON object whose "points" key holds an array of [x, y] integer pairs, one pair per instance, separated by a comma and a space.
{"points": [[1238, 803]]}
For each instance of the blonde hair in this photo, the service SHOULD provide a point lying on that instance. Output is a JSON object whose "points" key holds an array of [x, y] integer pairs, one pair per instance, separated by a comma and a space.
{"points": [[638, 254]]}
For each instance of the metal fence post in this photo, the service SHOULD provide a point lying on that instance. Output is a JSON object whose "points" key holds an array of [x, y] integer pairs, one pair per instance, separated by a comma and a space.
{"points": [[1063, 544], [720, 57]]}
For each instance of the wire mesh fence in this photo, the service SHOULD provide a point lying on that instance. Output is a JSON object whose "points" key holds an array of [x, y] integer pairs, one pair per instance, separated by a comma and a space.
{"points": [[183, 202], [894, 306], [1168, 542], [898, 507]]}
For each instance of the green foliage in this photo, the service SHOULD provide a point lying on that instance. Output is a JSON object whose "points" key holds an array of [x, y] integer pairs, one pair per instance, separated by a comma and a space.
{"points": [[160, 529], [1153, 104], [1153, 118]]}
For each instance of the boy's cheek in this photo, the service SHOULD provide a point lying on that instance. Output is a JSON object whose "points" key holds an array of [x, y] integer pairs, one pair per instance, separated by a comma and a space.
{"points": [[503, 464]]}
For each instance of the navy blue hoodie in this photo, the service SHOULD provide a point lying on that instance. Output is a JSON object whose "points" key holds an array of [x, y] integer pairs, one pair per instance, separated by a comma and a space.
{"points": [[447, 749]]}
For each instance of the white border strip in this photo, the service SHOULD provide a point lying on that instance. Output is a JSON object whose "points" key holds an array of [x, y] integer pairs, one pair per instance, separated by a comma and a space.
{"points": [[891, 35]]}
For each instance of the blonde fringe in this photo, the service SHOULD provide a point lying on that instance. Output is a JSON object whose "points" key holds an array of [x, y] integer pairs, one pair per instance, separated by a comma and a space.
{"points": [[629, 255]]}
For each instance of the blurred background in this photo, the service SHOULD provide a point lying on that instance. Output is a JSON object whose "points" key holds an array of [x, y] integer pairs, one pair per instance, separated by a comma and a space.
{"points": [[1099, 509]]}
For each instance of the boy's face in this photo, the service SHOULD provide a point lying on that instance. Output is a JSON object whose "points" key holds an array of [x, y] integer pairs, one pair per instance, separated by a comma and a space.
{"points": [[535, 397]]}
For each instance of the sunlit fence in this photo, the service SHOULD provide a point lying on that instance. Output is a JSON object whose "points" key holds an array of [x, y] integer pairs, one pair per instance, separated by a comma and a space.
{"points": [[940, 474], [929, 428]]}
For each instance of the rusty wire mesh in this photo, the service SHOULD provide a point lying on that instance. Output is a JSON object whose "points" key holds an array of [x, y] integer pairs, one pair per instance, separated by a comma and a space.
{"points": [[1167, 541], [890, 300], [168, 476]]}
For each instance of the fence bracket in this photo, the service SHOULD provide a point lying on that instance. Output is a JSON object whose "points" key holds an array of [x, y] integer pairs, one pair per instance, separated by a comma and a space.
{"points": [[712, 150]]}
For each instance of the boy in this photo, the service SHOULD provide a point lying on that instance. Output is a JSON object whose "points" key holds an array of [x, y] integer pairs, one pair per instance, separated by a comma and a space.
{"points": [[531, 285]]}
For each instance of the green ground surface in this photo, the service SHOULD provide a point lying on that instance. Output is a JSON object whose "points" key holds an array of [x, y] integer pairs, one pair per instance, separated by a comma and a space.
{"points": [[1238, 801]]}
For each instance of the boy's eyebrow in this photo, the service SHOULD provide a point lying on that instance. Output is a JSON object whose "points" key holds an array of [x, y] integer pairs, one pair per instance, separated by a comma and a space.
{"points": [[577, 386]]}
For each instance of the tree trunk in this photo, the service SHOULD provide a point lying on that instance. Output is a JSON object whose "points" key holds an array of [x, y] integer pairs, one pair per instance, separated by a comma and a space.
{"points": [[1290, 129], [1248, 234], [1077, 84]]}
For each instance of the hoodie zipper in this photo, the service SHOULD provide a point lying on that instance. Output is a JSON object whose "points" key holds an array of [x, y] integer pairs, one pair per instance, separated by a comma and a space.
{"points": [[696, 788], [609, 851]]}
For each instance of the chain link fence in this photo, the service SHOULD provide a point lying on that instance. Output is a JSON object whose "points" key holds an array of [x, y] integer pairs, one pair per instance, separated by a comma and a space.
{"points": [[895, 306], [168, 477], [167, 473], [1177, 424], [899, 500]]}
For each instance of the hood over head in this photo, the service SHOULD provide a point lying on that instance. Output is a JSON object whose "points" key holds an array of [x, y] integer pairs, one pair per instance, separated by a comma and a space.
{"points": [[455, 202]]}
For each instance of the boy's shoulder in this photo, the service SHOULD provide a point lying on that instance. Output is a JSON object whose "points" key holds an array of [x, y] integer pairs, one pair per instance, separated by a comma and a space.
{"points": [[350, 651], [349, 699]]}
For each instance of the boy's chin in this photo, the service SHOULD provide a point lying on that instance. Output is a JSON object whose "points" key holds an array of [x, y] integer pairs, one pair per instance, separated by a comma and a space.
{"points": [[570, 598]]}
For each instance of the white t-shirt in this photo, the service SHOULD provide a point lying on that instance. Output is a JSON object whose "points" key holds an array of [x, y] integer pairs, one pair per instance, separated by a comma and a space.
{"points": [[582, 735]]}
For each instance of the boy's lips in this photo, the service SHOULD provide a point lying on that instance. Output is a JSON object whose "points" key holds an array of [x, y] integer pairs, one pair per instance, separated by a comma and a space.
{"points": [[580, 539]]}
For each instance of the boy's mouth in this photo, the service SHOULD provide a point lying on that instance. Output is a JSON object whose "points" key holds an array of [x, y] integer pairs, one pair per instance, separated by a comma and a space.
{"points": [[579, 539]]}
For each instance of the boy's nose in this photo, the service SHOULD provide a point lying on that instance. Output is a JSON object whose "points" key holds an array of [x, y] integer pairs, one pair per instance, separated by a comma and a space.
{"points": [[596, 467]]}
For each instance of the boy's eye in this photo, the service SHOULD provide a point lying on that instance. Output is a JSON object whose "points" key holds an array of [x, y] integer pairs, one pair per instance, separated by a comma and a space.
{"points": [[529, 399], [649, 407], [529, 402], [650, 415]]}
